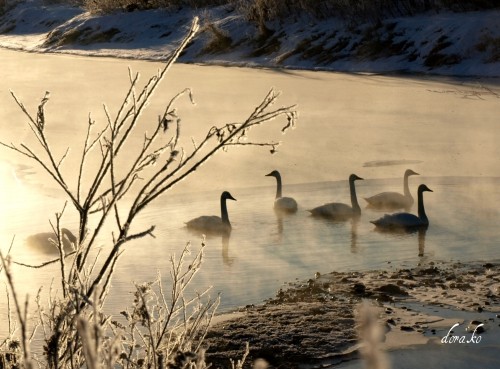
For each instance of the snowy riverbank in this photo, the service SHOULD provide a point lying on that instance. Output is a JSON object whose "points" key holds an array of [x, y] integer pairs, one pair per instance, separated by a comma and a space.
{"points": [[459, 44]]}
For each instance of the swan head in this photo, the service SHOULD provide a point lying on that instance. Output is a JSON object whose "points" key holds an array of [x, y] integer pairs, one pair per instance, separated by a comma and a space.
{"points": [[354, 177], [424, 188], [227, 196], [410, 172], [274, 173]]}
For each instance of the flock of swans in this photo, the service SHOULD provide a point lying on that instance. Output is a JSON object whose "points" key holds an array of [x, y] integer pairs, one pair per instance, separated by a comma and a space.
{"points": [[334, 210]]}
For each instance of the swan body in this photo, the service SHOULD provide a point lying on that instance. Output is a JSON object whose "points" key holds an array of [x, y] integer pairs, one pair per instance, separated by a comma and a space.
{"points": [[47, 242], [340, 211], [394, 200], [286, 205], [406, 220], [283, 204], [213, 223]]}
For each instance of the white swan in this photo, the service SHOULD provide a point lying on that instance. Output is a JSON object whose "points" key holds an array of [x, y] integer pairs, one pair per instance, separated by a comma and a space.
{"points": [[47, 242], [212, 223], [282, 204], [339, 211], [394, 200], [406, 220]]}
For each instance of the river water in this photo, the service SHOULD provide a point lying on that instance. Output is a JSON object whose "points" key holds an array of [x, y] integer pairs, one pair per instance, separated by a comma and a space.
{"points": [[374, 126]]}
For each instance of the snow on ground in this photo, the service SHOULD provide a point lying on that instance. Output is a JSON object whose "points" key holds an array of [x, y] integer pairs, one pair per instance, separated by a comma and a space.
{"points": [[466, 44]]}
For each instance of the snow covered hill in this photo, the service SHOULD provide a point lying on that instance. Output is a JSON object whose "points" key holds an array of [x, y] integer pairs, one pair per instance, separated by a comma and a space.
{"points": [[466, 44]]}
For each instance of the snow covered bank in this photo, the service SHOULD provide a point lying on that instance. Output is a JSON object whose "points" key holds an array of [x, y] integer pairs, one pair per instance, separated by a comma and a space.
{"points": [[466, 44]]}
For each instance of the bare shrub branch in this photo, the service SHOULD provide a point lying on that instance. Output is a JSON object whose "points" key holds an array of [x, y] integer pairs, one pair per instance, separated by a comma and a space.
{"points": [[167, 325]]}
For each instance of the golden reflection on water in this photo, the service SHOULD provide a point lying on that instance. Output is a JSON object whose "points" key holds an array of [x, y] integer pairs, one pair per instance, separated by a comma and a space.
{"points": [[16, 201], [265, 250], [372, 125]]}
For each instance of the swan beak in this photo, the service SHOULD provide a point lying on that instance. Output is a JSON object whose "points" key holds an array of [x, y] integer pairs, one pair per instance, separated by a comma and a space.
{"points": [[232, 198]]}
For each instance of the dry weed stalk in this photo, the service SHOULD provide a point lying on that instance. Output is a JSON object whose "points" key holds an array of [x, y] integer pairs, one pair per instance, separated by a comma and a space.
{"points": [[143, 175], [239, 363], [9, 357], [371, 335], [171, 327]]}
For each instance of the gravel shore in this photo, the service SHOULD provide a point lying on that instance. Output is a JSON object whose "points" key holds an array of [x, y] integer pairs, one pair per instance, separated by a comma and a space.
{"points": [[313, 324]]}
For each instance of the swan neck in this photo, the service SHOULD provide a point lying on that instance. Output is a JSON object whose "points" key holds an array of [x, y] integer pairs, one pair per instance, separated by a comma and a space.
{"points": [[421, 209], [223, 211], [354, 199], [406, 187], [278, 186]]}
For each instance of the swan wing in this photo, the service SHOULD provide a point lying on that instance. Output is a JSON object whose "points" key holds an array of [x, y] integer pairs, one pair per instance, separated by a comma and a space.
{"points": [[389, 200], [205, 222], [333, 210], [398, 220]]}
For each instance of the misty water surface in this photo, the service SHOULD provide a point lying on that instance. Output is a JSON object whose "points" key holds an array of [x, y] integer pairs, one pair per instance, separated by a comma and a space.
{"points": [[373, 126]]}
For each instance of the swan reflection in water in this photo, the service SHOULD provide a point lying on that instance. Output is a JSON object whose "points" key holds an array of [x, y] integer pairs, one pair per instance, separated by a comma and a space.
{"points": [[226, 259], [281, 217], [47, 242], [354, 235], [421, 241], [213, 239], [421, 234]]}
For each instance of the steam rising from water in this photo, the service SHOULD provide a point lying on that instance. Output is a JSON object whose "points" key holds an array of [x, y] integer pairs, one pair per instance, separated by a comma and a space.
{"points": [[348, 124]]}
